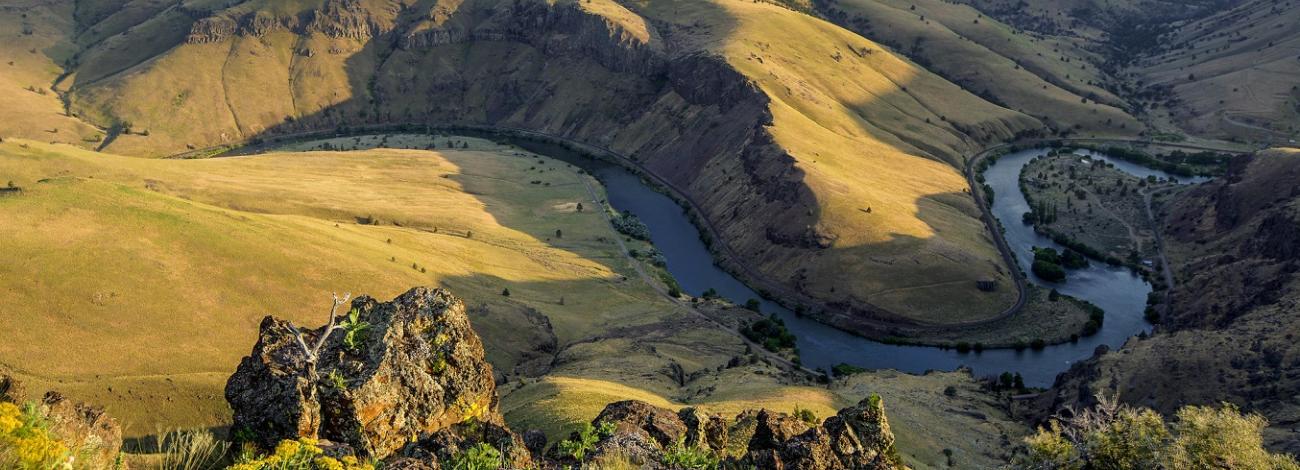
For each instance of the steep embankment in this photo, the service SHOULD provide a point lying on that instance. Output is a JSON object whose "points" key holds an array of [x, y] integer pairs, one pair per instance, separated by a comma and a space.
{"points": [[1234, 244], [827, 163]]}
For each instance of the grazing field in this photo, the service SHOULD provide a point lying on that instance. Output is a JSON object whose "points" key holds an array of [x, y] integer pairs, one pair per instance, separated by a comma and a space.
{"points": [[1094, 204], [159, 271], [1044, 318]]}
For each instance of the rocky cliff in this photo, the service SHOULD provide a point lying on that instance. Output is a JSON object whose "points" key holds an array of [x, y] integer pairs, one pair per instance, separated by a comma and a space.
{"points": [[412, 387]]}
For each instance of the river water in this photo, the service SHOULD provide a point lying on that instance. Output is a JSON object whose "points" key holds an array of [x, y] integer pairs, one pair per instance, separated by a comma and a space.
{"points": [[1117, 290], [1121, 293]]}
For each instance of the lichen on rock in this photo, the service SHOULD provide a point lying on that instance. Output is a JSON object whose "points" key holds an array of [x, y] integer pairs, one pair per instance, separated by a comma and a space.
{"points": [[416, 373]]}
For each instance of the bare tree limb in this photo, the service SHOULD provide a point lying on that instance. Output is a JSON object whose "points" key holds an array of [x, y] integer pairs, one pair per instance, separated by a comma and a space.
{"points": [[313, 353]]}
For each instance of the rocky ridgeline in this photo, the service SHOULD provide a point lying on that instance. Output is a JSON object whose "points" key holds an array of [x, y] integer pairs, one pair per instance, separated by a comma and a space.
{"points": [[348, 19], [413, 389]]}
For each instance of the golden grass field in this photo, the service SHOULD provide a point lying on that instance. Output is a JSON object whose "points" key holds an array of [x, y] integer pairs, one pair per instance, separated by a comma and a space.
{"points": [[856, 128], [162, 269], [137, 284], [868, 131]]}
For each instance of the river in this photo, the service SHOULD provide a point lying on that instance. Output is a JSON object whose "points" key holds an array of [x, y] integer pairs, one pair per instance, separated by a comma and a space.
{"points": [[1117, 290], [1121, 293]]}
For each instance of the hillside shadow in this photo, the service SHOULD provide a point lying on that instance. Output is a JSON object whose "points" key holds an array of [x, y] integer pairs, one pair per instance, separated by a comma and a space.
{"points": [[716, 139]]}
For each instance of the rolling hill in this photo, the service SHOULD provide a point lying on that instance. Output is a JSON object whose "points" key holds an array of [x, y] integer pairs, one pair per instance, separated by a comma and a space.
{"points": [[853, 148]]}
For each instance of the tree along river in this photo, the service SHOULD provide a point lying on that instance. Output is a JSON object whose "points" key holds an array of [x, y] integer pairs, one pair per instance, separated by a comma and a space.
{"points": [[1121, 293]]}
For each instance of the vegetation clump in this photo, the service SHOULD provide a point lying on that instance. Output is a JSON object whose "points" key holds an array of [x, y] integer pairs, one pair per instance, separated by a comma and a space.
{"points": [[585, 439], [630, 225], [769, 332], [480, 457], [301, 454], [1051, 265], [1111, 435], [845, 369], [26, 441], [680, 455]]}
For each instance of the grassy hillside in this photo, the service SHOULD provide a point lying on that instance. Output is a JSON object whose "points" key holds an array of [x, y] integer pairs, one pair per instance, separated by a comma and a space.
{"points": [[865, 146], [1053, 78], [34, 42], [224, 242], [882, 177], [159, 271], [1232, 74]]}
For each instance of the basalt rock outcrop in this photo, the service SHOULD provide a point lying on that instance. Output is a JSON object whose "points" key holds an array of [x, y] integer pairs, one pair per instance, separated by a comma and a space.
{"points": [[412, 380], [857, 437], [412, 388]]}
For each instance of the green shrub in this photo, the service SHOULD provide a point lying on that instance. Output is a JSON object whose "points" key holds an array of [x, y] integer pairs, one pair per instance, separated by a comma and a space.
{"points": [[680, 455], [479, 457], [1048, 271], [354, 330], [806, 415], [1111, 435], [770, 332], [585, 440], [845, 369]]}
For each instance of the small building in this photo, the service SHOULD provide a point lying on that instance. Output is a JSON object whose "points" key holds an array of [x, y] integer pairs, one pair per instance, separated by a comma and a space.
{"points": [[987, 285]]}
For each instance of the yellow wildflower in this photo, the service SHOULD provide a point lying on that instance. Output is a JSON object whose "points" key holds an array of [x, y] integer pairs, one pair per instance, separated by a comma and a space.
{"points": [[327, 463]]}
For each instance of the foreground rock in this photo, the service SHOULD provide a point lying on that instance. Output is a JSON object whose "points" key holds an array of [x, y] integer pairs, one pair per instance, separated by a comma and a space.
{"points": [[857, 437], [412, 380], [405, 381], [93, 439]]}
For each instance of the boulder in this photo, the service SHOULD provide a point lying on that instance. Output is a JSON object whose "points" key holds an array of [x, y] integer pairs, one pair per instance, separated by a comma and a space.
{"points": [[10, 389], [632, 416], [416, 369], [95, 436], [271, 395], [450, 441], [704, 429], [876, 441], [772, 430], [86, 428], [535, 441], [857, 437]]}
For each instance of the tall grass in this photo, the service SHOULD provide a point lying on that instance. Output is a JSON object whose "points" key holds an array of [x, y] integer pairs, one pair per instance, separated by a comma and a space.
{"points": [[191, 449]]}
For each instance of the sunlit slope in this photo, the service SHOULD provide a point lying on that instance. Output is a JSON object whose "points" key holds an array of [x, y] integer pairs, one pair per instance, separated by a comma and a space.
{"points": [[886, 182], [34, 40], [159, 271], [1052, 78], [1234, 73], [857, 203]]}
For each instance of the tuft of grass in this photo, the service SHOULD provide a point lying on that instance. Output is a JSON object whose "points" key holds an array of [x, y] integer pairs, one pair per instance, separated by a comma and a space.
{"points": [[191, 449], [680, 455]]}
